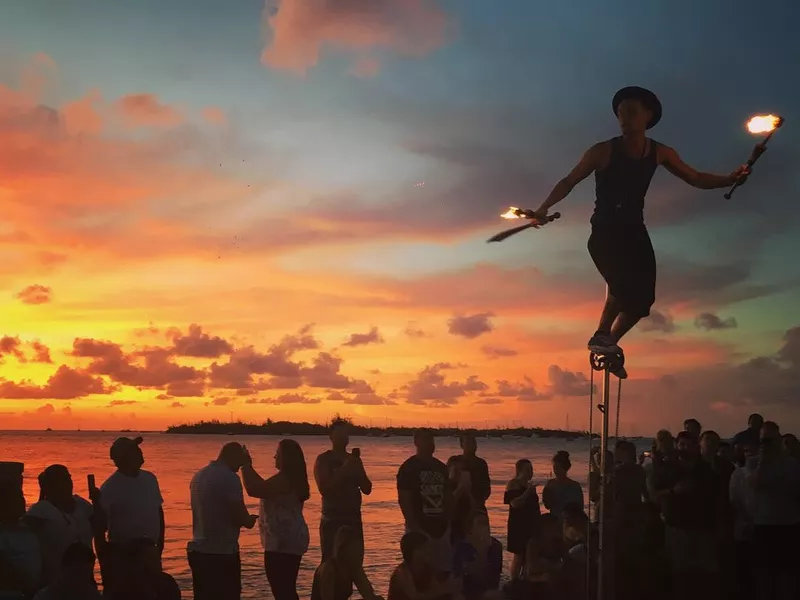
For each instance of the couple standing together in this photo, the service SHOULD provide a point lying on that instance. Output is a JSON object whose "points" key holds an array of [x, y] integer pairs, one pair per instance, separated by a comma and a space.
{"points": [[219, 511]]}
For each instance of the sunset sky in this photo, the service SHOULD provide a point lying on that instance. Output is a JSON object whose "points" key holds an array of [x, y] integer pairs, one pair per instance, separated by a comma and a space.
{"points": [[218, 207]]}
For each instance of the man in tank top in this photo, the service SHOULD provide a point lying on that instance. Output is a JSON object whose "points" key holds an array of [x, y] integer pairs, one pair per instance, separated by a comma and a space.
{"points": [[619, 243]]}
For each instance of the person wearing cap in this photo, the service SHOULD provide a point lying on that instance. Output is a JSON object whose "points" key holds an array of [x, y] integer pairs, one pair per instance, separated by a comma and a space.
{"points": [[218, 514], [619, 243], [131, 503]]}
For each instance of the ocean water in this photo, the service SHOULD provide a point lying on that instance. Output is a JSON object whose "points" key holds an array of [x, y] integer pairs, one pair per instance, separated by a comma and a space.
{"points": [[175, 458]]}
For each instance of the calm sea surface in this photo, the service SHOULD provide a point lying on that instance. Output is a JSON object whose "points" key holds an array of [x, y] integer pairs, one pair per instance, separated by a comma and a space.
{"points": [[175, 458]]}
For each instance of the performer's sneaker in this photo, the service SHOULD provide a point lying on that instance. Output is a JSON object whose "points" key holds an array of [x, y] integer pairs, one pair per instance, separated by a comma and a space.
{"points": [[621, 373], [603, 343]]}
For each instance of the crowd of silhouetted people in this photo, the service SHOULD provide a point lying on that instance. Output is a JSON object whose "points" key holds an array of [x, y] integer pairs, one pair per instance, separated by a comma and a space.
{"points": [[695, 517]]}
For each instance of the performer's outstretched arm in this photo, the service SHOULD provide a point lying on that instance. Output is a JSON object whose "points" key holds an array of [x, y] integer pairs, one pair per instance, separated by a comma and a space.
{"points": [[592, 160], [704, 181]]}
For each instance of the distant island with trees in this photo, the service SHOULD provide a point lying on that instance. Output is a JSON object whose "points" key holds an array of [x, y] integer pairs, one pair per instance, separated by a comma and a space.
{"points": [[270, 427]]}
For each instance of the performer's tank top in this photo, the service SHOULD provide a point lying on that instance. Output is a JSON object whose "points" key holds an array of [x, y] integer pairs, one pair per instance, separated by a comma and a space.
{"points": [[622, 185]]}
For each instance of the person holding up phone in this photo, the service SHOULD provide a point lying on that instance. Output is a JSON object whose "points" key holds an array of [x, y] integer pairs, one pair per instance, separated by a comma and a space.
{"points": [[341, 479]]}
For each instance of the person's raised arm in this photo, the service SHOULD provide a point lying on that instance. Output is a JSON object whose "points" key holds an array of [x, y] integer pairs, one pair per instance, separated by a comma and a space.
{"points": [[329, 479], [547, 495], [705, 181], [255, 486], [364, 482], [591, 160], [515, 496]]}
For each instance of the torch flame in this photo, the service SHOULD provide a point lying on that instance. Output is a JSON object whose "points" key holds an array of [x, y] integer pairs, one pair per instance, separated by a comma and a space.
{"points": [[511, 213], [763, 123]]}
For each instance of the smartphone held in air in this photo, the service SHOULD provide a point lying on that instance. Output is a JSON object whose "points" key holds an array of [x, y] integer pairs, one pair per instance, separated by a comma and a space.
{"points": [[356, 452], [90, 481]]}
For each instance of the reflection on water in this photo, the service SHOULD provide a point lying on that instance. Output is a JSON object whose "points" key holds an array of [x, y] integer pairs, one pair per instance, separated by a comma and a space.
{"points": [[175, 458]]}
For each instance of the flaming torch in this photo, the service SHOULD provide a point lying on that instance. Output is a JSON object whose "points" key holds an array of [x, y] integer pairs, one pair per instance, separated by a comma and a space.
{"points": [[521, 213], [760, 124]]}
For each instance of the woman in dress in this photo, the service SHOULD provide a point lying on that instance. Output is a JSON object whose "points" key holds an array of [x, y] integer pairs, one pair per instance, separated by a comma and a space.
{"points": [[284, 532], [561, 491], [523, 514]]}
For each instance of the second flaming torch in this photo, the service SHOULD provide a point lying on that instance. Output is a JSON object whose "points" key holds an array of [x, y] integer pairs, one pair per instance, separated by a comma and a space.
{"points": [[521, 213], [768, 124]]}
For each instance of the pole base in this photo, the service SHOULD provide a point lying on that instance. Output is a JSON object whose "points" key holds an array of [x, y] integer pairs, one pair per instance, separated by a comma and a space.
{"points": [[613, 362]]}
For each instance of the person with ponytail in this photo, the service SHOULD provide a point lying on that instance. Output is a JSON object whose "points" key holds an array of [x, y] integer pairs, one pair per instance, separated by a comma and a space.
{"points": [[561, 491]]}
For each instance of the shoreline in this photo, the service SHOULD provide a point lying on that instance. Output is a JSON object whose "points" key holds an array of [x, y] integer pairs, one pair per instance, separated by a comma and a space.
{"points": [[288, 428]]}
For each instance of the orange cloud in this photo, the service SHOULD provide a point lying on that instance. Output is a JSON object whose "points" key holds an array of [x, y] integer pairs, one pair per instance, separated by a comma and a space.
{"points": [[470, 326], [66, 383], [34, 294], [281, 377], [373, 336], [14, 346], [300, 29], [431, 388], [146, 110]]}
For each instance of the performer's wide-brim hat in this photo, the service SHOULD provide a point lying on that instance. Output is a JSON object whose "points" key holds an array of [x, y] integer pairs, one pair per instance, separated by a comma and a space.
{"points": [[648, 99]]}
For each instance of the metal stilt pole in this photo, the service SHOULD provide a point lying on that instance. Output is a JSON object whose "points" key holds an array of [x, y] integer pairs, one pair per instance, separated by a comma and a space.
{"points": [[601, 580], [606, 364]]}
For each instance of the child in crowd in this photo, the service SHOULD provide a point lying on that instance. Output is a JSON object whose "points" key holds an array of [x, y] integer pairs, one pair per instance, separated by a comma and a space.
{"points": [[415, 578], [577, 540], [544, 562], [334, 578], [74, 580], [478, 558]]}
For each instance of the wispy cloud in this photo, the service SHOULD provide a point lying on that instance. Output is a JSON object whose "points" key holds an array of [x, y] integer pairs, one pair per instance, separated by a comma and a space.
{"points": [[300, 29]]}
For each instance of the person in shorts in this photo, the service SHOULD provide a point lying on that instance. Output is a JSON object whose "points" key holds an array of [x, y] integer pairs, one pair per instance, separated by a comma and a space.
{"points": [[619, 243]]}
